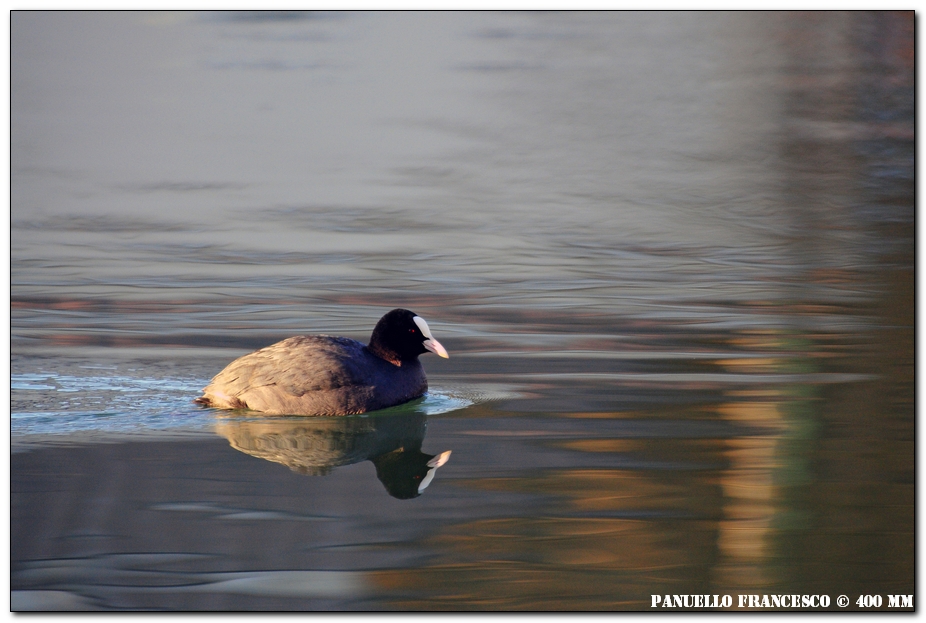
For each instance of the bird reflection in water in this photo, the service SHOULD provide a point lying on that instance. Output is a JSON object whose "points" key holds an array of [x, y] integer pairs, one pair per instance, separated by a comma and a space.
{"points": [[316, 445]]}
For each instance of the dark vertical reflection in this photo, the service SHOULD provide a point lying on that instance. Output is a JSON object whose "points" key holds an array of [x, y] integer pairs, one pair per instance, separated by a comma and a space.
{"points": [[853, 176], [832, 510]]}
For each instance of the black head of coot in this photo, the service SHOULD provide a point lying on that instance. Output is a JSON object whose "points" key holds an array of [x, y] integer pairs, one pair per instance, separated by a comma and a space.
{"points": [[402, 335]]}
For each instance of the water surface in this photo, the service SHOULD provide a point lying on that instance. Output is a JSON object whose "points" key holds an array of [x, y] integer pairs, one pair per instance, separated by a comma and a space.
{"points": [[671, 255]]}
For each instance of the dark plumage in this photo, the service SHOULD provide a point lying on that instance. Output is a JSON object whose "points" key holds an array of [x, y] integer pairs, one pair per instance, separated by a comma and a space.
{"points": [[322, 375]]}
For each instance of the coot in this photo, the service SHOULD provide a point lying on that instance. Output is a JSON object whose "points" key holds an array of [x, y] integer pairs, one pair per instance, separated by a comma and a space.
{"points": [[323, 375]]}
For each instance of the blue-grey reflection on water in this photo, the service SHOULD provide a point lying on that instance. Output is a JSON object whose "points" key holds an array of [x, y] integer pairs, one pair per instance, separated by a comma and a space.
{"points": [[671, 255], [50, 407]]}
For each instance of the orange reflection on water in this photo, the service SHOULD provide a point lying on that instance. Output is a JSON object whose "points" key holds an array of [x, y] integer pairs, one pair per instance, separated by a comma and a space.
{"points": [[554, 564]]}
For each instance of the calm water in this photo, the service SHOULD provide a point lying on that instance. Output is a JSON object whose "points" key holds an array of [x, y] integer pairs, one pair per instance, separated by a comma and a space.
{"points": [[671, 256]]}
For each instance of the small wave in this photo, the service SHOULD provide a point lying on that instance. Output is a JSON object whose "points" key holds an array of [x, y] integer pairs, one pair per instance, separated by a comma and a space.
{"points": [[471, 393]]}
